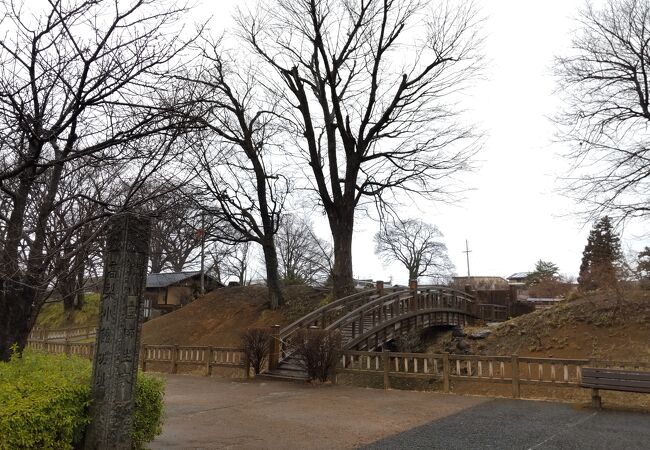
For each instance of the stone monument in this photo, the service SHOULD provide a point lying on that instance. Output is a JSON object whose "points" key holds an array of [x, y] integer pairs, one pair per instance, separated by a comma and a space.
{"points": [[118, 338]]}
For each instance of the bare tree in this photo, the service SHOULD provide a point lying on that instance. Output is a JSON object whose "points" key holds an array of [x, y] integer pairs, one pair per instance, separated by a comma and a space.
{"points": [[604, 79], [178, 225], [77, 88], [418, 246], [74, 235], [233, 161], [230, 260], [369, 93], [304, 257]]}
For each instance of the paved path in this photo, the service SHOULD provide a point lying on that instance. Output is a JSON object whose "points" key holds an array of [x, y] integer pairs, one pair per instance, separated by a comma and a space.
{"points": [[212, 413]]}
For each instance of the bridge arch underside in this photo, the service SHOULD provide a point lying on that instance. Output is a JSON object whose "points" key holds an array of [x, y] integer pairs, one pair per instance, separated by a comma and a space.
{"points": [[417, 320]]}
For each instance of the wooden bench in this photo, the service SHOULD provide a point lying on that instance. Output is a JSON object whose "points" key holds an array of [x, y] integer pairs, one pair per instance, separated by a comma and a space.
{"points": [[613, 380]]}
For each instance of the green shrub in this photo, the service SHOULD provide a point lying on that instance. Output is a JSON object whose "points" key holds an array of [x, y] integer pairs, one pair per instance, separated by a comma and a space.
{"points": [[149, 409], [46, 398]]}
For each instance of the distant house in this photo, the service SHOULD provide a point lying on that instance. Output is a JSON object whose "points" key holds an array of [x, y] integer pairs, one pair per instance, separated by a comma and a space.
{"points": [[496, 296], [480, 283], [169, 291], [518, 278]]}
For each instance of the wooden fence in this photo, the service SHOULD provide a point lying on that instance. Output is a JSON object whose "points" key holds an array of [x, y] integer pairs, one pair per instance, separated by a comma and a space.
{"points": [[62, 334], [198, 356], [170, 356], [514, 370]]}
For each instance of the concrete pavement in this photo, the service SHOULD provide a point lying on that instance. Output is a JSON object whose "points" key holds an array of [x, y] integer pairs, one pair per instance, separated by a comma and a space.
{"points": [[214, 413]]}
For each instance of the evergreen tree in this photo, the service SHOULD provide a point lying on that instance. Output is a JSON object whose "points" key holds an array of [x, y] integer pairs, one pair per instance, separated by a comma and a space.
{"points": [[601, 258], [544, 271]]}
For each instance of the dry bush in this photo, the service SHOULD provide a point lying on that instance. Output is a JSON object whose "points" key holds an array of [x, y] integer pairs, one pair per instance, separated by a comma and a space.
{"points": [[550, 289], [410, 342], [319, 352], [255, 343]]}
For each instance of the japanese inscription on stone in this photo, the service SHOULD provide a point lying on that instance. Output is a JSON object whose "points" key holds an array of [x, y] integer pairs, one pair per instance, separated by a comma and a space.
{"points": [[118, 339]]}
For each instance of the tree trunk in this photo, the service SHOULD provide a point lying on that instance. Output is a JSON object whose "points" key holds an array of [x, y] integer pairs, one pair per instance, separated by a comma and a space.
{"points": [[276, 295], [413, 273], [15, 309], [69, 298], [156, 261], [342, 278], [79, 301]]}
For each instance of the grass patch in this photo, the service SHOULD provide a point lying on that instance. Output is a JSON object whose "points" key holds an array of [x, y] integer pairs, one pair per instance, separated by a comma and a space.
{"points": [[53, 316]]}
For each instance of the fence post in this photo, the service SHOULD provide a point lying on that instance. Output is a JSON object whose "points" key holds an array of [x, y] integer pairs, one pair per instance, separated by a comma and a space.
{"points": [[208, 361], [385, 363], [596, 400], [247, 365], [274, 351], [66, 345], [446, 369], [515, 376], [174, 358], [143, 350], [380, 288]]}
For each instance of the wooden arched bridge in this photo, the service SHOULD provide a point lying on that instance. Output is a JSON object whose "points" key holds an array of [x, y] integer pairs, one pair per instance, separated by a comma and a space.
{"points": [[369, 319]]}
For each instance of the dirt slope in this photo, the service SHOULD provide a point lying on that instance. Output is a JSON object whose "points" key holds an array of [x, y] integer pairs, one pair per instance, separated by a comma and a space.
{"points": [[595, 326], [219, 317]]}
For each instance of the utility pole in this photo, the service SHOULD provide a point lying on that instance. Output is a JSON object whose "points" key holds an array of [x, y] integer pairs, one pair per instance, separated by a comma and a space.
{"points": [[467, 252]]}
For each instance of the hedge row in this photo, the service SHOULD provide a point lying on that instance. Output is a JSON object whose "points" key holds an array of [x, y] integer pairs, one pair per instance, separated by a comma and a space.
{"points": [[46, 398]]}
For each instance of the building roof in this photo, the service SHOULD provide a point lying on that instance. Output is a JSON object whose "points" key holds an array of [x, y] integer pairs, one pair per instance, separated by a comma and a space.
{"points": [[519, 276], [156, 280]]}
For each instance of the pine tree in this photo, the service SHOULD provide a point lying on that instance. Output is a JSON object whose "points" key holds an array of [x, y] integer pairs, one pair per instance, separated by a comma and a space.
{"points": [[544, 271], [601, 258]]}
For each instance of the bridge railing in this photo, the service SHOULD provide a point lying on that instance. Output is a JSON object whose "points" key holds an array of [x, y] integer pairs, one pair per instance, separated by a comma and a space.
{"points": [[402, 303], [323, 316], [514, 370], [354, 309]]}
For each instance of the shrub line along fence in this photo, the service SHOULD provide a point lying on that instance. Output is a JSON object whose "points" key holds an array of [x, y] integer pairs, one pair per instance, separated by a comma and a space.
{"points": [[171, 355], [446, 367]]}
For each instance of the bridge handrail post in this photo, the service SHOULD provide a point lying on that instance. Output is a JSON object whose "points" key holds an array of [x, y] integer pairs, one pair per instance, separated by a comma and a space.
{"points": [[274, 350], [446, 368]]}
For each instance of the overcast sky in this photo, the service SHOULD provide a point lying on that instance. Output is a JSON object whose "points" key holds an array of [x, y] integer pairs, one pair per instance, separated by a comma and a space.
{"points": [[513, 216]]}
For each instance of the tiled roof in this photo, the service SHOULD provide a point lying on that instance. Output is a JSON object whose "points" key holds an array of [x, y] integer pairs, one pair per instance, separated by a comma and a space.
{"points": [[155, 280]]}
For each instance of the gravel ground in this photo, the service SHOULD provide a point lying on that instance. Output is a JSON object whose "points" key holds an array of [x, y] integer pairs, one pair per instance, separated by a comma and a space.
{"points": [[512, 424], [213, 413]]}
